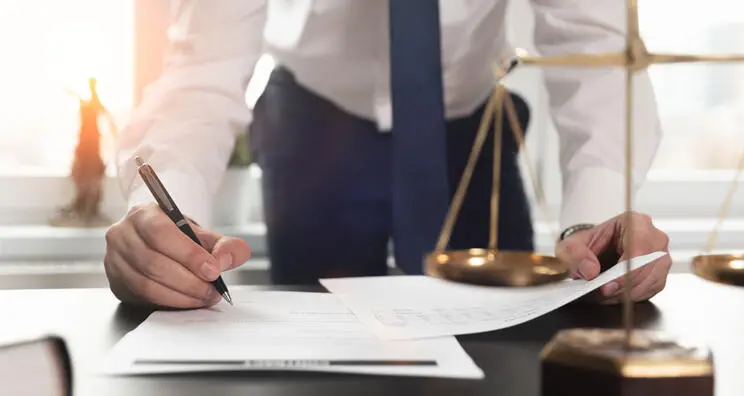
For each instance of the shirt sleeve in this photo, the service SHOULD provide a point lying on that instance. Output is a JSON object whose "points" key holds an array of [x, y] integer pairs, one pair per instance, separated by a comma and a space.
{"points": [[587, 106], [189, 118]]}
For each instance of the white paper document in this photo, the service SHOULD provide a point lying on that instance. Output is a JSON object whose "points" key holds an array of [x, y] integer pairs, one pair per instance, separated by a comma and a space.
{"points": [[408, 307], [279, 331]]}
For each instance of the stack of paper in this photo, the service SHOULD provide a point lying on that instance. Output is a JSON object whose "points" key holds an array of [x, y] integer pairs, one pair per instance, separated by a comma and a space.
{"points": [[406, 307], [279, 331], [402, 325]]}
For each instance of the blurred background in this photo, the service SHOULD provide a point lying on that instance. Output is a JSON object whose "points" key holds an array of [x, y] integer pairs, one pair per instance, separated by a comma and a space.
{"points": [[52, 47]]}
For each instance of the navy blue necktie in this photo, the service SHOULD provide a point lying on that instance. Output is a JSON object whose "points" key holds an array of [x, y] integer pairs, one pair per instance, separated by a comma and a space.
{"points": [[420, 184]]}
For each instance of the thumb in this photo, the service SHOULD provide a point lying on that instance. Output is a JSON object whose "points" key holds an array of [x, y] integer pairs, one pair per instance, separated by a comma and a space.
{"points": [[583, 262], [230, 252]]}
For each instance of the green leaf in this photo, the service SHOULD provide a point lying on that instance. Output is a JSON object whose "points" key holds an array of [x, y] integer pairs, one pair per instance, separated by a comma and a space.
{"points": [[241, 155]]}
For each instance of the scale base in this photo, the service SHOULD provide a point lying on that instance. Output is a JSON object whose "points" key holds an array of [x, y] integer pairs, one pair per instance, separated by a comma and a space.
{"points": [[584, 362], [491, 267]]}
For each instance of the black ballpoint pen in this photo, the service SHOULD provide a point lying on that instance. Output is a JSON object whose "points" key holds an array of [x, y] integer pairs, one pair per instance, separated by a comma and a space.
{"points": [[169, 207]]}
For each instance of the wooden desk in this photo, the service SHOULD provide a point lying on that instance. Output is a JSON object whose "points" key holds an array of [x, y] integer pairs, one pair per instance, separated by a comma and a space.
{"points": [[92, 321]]}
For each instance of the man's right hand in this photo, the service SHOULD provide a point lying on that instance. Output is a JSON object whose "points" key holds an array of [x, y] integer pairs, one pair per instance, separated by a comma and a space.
{"points": [[150, 261]]}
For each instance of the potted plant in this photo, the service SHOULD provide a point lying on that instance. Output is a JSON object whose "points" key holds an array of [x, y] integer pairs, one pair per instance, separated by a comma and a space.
{"points": [[239, 200]]}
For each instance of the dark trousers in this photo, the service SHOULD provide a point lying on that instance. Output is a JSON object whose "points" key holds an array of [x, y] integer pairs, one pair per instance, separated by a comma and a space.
{"points": [[327, 186]]}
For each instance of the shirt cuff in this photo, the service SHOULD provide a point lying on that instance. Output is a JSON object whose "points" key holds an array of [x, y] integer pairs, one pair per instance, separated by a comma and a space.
{"points": [[187, 191], [593, 195]]}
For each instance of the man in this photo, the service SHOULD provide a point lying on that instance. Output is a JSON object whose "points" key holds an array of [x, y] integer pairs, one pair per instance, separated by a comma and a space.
{"points": [[351, 136]]}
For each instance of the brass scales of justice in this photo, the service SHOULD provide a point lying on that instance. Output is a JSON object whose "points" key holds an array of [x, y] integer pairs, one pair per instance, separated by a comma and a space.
{"points": [[619, 361]]}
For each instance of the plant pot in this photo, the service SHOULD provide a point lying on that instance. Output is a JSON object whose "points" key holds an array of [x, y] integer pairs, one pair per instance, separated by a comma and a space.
{"points": [[238, 200]]}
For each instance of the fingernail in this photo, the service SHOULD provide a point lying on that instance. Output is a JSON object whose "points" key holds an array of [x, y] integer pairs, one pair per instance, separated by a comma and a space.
{"points": [[225, 261], [209, 272], [213, 297], [585, 268], [611, 288], [210, 298]]}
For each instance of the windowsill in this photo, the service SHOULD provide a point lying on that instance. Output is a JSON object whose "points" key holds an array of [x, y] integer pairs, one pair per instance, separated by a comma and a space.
{"points": [[83, 249], [25, 237], [46, 267], [22, 243], [37, 194]]}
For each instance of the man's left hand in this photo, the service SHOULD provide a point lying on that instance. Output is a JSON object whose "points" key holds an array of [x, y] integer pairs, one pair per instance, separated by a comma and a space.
{"points": [[612, 239]]}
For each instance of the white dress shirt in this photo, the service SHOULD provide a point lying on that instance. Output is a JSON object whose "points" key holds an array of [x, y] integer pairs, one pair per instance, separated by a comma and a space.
{"points": [[189, 118]]}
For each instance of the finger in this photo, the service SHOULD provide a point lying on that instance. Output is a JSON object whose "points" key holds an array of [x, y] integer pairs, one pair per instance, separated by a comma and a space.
{"points": [[642, 239], [593, 297], [162, 269], [648, 282], [618, 284], [603, 238], [636, 290], [230, 252], [645, 290], [654, 283], [116, 281], [646, 270], [162, 235], [610, 301], [637, 294], [207, 238], [152, 291], [583, 263]]}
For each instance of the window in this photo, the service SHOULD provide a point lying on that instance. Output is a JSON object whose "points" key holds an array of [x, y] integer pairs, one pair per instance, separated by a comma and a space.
{"points": [[700, 104], [50, 50], [121, 44], [701, 110], [47, 58]]}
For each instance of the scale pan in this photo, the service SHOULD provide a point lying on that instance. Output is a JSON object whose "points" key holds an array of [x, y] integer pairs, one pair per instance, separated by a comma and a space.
{"points": [[490, 267], [721, 268]]}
